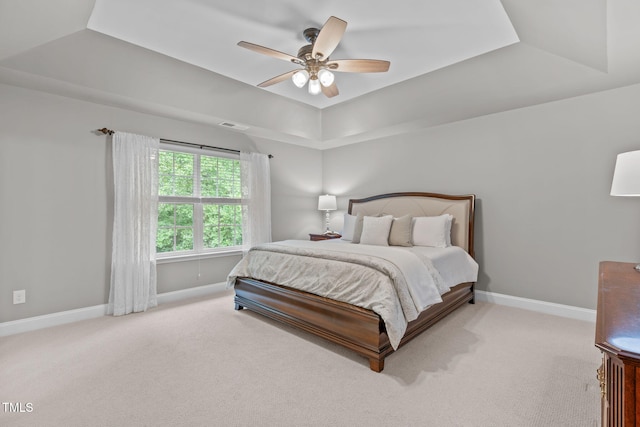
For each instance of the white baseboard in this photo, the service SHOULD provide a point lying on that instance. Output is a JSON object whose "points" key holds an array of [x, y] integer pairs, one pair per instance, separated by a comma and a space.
{"points": [[539, 306], [54, 319], [60, 318], [191, 293]]}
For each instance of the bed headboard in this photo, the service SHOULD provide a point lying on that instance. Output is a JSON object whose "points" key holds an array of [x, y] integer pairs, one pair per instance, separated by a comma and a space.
{"points": [[424, 204]]}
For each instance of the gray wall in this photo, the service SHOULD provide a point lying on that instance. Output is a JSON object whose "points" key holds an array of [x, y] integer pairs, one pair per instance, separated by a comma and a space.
{"points": [[296, 182], [542, 176], [56, 199]]}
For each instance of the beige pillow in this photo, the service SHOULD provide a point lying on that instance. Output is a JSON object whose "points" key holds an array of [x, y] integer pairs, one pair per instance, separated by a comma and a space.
{"points": [[400, 234], [375, 230]]}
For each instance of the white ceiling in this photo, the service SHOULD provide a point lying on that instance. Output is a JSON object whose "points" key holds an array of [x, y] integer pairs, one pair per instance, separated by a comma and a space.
{"points": [[416, 36], [566, 48]]}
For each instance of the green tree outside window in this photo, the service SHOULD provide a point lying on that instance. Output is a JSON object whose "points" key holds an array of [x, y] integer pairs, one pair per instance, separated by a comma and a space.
{"points": [[200, 202]]}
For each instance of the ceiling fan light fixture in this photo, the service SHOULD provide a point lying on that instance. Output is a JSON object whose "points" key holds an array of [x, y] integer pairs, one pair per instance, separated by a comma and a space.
{"points": [[314, 86], [326, 77], [300, 78], [314, 60]]}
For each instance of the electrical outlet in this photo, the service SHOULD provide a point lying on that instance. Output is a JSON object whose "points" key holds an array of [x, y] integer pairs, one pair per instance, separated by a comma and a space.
{"points": [[19, 297]]}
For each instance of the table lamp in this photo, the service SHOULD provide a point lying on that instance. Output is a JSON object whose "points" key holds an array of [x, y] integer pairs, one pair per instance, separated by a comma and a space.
{"points": [[327, 203], [626, 177]]}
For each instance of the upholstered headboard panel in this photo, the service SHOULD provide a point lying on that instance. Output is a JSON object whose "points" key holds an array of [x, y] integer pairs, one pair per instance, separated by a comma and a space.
{"points": [[424, 204]]}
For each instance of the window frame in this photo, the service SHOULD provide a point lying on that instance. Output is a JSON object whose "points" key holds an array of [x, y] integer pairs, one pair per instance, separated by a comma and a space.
{"points": [[198, 202]]}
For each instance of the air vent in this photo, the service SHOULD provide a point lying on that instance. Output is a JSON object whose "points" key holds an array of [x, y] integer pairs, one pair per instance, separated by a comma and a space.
{"points": [[235, 126]]}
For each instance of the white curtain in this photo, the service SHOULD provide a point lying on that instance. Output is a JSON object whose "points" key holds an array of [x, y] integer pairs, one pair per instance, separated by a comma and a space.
{"points": [[256, 196], [135, 220]]}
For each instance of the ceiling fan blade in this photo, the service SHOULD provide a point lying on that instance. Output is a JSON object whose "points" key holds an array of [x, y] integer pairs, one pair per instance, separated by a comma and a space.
{"points": [[278, 79], [330, 91], [359, 65], [269, 52], [328, 37]]}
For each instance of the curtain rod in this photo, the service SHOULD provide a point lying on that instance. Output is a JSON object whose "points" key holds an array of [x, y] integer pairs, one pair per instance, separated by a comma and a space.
{"points": [[191, 144]]}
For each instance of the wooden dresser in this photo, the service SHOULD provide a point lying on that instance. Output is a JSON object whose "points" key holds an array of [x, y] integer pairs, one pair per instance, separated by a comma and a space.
{"points": [[618, 337]]}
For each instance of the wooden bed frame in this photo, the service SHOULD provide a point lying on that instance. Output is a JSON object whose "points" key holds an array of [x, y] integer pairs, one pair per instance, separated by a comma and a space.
{"points": [[353, 327]]}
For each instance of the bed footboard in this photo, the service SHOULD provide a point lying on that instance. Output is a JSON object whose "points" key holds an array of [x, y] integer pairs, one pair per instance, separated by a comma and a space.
{"points": [[355, 328]]}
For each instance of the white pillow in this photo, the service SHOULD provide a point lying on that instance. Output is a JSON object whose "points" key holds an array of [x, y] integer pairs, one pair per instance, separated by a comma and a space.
{"points": [[432, 231], [348, 227], [375, 230]]}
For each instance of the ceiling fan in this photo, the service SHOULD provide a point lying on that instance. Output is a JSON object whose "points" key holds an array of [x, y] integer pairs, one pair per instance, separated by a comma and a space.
{"points": [[314, 59]]}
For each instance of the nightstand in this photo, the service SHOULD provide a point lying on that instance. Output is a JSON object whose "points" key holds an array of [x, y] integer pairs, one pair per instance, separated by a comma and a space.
{"points": [[316, 237]]}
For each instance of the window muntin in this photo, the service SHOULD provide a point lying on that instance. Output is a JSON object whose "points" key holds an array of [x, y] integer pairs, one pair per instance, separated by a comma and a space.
{"points": [[175, 227], [222, 223], [176, 173], [220, 177], [199, 207]]}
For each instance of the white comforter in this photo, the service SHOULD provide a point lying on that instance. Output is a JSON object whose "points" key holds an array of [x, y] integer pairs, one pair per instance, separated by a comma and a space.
{"points": [[395, 282]]}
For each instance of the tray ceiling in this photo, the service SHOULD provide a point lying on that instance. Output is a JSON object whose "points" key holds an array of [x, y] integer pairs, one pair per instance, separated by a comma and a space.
{"points": [[416, 36]]}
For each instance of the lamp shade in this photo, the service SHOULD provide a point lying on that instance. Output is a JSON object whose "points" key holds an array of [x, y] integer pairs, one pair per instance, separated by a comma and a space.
{"points": [[327, 203], [326, 77], [314, 86], [300, 78], [626, 175]]}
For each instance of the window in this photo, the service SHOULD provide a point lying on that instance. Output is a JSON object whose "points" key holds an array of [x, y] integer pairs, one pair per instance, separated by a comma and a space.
{"points": [[199, 207]]}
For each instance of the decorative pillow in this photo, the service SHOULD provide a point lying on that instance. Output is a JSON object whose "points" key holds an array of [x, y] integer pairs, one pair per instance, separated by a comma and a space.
{"points": [[432, 231], [375, 230], [400, 234]]}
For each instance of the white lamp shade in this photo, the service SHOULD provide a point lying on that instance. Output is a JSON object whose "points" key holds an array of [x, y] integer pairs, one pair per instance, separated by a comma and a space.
{"points": [[327, 203], [626, 175], [314, 86], [300, 78], [326, 77]]}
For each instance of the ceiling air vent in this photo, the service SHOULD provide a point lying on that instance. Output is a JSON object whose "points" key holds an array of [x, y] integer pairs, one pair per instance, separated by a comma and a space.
{"points": [[235, 126]]}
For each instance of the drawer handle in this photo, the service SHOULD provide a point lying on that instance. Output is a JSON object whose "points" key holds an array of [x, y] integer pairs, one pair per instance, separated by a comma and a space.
{"points": [[602, 380]]}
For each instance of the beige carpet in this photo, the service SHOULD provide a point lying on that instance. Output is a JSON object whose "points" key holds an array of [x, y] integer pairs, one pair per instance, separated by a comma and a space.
{"points": [[200, 363]]}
